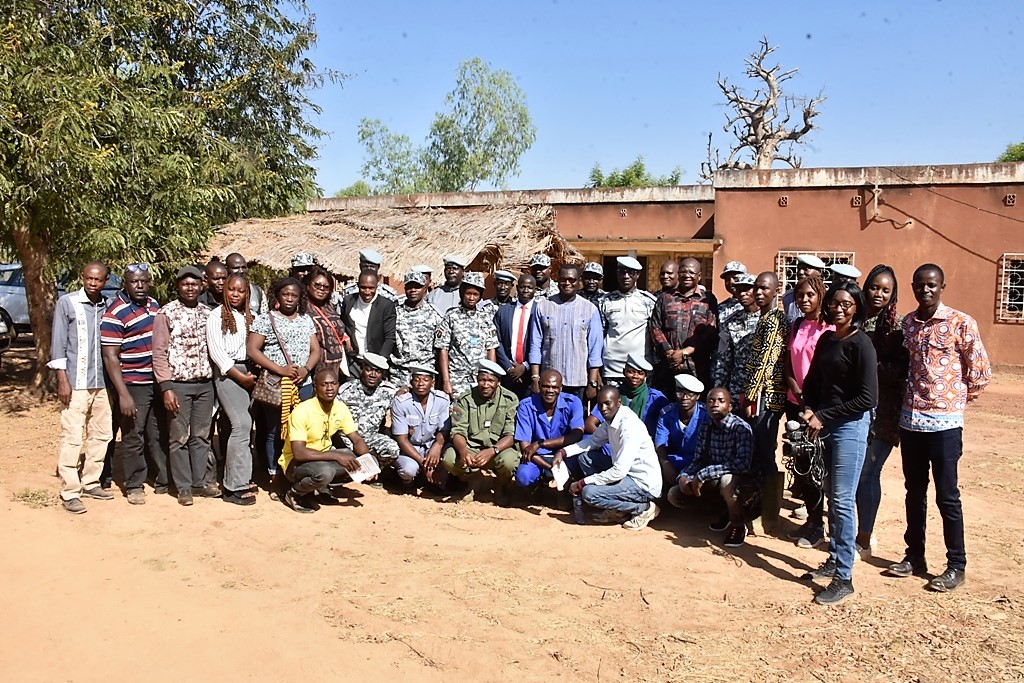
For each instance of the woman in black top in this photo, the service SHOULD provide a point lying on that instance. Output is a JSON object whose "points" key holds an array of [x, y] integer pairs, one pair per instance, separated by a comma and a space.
{"points": [[840, 391], [883, 327]]}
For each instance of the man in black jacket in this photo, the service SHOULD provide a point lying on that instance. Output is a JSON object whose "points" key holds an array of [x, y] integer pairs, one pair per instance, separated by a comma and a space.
{"points": [[369, 319]]}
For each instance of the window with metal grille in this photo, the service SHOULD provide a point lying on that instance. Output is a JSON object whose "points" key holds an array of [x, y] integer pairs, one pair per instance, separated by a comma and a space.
{"points": [[785, 265], [1011, 289]]}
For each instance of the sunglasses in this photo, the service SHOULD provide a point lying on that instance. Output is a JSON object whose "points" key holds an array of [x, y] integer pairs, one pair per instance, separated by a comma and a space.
{"points": [[137, 267]]}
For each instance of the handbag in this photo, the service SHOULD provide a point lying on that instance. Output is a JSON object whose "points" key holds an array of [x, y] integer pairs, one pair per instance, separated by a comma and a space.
{"points": [[268, 385]]}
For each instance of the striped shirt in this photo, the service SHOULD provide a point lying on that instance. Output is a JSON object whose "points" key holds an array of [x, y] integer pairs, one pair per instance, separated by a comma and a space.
{"points": [[130, 326], [566, 336]]}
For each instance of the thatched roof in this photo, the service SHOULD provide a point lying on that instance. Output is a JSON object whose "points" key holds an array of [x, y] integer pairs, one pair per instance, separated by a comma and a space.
{"points": [[492, 238]]}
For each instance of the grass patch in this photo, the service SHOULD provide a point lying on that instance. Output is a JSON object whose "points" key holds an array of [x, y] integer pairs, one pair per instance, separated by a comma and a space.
{"points": [[36, 498]]}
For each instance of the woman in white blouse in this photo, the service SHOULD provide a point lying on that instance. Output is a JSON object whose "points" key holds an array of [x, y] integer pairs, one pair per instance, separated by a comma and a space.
{"points": [[226, 331]]}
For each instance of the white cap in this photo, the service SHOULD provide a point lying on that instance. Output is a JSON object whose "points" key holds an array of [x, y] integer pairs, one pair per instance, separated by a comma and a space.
{"points": [[845, 270], [376, 360], [455, 259], [371, 256], [637, 361], [689, 383], [629, 262], [489, 366], [505, 275], [812, 261]]}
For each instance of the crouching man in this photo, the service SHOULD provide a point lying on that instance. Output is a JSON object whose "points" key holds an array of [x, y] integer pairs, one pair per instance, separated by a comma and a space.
{"points": [[724, 449], [420, 423], [546, 422], [308, 459], [483, 434], [629, 481]]}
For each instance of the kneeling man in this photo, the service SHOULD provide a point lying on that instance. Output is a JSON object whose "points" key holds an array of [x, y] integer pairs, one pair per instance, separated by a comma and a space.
{"points": [[308, 460], [629, 481], [483, 431], [546, 422], [724, 450], [420, 423], [679, 426]]}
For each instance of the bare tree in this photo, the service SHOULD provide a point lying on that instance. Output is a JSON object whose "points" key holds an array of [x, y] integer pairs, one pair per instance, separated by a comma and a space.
{"points": [[761, 123]]}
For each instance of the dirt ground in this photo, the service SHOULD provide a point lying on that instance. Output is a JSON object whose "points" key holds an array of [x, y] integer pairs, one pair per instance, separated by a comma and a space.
{"points": [[405, 588]]}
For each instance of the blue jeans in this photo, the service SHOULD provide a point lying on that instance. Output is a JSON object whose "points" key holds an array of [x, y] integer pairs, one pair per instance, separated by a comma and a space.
{"points": [[268, 429], [939, 451], [869, 490], [624, 496], [848, 438]]}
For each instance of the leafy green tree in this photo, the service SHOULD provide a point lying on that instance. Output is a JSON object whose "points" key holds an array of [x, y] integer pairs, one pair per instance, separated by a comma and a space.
{"points": [[391, 162], [359, 188], [479, 138], [1014, 152], [129, 128], [634, 175]]}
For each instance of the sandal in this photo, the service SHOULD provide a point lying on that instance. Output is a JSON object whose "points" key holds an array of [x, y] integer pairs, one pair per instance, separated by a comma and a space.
{"points": [[241, 497]]}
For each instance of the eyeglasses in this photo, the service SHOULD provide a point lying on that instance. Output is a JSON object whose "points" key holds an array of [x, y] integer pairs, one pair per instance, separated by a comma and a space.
{"points": [[137, 267], [842, 305], [320, 285], [570, 280]]}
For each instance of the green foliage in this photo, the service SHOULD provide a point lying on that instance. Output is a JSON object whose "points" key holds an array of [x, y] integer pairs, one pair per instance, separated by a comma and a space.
{"points": [[1014, 152], [478, 138], [634, 175], [359, 188], [129, 128]]}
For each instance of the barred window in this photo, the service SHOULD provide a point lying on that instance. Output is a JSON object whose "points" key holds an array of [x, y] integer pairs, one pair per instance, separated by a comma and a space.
{"points": [[1011, 289], [785, 265]]}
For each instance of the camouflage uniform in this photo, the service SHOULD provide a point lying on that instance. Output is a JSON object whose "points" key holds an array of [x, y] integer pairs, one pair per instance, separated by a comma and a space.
{"points": [[414, 334], [369, 411], [468, 336], [549, 291]]}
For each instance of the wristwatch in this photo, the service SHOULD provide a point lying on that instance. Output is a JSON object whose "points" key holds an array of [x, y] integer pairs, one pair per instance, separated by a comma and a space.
{"points": [[592, 384]]}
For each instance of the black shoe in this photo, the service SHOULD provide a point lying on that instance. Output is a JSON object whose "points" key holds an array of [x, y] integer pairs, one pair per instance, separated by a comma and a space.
{"points": [[160, 490], [837, 591], [908, 567], [720, 524], [949, 580], [297, 503], [206, 491], [184, 498], [737, 534], [106, 483], [827, 570]]}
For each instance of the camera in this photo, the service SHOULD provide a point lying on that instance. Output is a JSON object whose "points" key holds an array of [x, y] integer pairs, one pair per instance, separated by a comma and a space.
{"points": [[799, 448]]}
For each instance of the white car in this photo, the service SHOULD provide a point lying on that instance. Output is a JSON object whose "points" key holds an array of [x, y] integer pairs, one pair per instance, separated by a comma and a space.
{"points": [[14, 302]]}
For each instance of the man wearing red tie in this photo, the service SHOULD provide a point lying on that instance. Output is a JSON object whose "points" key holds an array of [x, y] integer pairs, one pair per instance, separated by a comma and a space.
{"points": [[513, 323]]}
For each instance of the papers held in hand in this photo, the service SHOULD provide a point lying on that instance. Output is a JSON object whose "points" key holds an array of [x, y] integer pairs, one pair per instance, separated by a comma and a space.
{"points": [[561, 474], [368, 467]]}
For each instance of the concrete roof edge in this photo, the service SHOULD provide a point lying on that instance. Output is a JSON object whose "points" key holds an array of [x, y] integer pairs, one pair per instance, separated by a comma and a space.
{"points": [[613, 195], [950, 174]]}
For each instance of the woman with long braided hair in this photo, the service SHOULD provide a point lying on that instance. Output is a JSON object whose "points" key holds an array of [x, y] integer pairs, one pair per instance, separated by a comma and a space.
{"points": [[884, 328], [227, 330]]}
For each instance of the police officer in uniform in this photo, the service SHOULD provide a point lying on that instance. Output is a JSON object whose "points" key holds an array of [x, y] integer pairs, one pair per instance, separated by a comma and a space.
{"points": [[483, 434], [420, 423]]}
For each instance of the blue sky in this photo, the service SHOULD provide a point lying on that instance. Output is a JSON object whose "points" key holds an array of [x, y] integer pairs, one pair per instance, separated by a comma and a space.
{"points": [[909, 82]]}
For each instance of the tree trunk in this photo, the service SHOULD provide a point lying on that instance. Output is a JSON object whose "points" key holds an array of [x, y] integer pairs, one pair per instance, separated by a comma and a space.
{"points": [[34, 253]]}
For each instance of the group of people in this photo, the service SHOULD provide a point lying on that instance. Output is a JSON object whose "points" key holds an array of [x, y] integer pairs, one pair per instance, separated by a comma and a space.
{"points": [[622, 399]]}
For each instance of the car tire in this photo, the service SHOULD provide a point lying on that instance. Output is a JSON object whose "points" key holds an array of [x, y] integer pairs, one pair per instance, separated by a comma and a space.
{"points": [[9, 322]]}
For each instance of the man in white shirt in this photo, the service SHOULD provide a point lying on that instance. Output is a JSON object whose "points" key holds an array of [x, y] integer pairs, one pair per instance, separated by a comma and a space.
{"points": [[630, 480], [626, 315]]}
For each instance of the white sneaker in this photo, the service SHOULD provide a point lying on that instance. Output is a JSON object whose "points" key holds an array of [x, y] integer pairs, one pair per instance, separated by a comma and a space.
{"points": [[865, 553], [643, 519]]}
